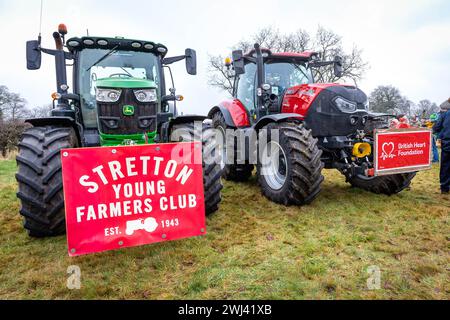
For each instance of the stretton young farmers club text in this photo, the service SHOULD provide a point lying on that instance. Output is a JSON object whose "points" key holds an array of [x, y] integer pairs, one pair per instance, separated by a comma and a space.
{"points": [[139, 193]]}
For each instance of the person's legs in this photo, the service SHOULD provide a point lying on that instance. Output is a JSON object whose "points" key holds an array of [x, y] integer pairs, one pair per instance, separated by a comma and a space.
{"points": [[435, 150], [445, 171]]}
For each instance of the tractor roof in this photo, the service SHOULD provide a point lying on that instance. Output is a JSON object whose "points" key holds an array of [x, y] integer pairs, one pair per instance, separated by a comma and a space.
{"points": [[304, 55], [78, 44], [268, 54]]}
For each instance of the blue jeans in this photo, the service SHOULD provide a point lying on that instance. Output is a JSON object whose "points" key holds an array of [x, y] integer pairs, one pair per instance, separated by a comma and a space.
{"points": [[435, 150]]}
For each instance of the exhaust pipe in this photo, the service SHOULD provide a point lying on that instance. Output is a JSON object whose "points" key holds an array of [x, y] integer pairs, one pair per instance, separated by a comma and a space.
{"points": [[260, 78], [58, 40], [61, 76], [260, 65]]}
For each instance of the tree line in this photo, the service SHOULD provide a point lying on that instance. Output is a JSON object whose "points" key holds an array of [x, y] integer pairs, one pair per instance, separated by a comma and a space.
{"points": [[388, 99], [13, 111]]}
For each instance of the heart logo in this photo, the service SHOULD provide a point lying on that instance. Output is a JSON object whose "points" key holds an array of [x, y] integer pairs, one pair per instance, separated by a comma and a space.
{"points": [[388, 150]]}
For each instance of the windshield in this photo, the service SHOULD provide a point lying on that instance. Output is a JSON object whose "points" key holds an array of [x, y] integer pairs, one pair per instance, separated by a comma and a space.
{"points": [[284, 75], [142, 65]]}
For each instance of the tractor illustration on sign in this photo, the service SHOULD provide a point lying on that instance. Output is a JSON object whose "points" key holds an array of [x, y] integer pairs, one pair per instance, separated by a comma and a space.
{"points": [[319, 125], [119, 97], [148, 225]]}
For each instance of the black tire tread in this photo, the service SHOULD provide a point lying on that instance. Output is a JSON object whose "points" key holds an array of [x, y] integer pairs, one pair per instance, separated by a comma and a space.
{"points": [[212, 182], [304, 177], [232, 172], [40, 179], [389, 184]]}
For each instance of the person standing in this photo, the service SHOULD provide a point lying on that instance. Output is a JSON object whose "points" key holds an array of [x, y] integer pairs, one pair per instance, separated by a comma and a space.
{"points": [[429, 124], [442, 129]]}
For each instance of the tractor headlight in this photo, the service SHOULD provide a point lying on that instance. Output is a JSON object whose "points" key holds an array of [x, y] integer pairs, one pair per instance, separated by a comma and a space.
{"points": [[146, 95], [107, 95], [345, 105]]}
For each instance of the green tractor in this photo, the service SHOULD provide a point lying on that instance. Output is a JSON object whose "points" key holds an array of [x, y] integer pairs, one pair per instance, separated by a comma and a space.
{"points": [[119, 97]]}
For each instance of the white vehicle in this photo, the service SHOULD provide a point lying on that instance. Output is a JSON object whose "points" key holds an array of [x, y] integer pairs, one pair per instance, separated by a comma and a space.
{"points": [[148, 225]]}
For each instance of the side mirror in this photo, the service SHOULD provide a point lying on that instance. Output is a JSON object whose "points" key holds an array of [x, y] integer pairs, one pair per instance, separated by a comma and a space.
{"points": [[33, 55], [191, 61], [172, 97], [238, 62], [338, 67]]}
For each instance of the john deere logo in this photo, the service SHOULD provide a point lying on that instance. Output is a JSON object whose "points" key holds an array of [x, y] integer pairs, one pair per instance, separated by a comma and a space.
{"points": [[128, 110]]}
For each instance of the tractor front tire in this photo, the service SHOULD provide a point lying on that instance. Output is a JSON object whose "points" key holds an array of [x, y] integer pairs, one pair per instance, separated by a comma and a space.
{"points": [[299, 177], [40, 179], [212, 182], [231, 172], [389, 185]]}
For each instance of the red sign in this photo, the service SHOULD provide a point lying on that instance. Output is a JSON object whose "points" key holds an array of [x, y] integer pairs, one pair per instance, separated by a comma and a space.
{"points": [[402, 150], [117, 197]]}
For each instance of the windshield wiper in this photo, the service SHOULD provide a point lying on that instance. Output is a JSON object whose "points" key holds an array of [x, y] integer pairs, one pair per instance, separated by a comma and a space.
{"points": [[126, 71], [301, 70], [110, 52]]}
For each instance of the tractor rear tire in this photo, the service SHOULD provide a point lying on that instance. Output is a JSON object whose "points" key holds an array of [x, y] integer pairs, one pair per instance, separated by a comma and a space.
{"points": [[231, 172], [302, 166], [40, 179], [389, 185], [212, 182]]}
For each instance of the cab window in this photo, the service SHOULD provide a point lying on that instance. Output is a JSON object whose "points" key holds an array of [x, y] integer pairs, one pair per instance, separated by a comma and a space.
{"points": [[246, 87], [142, 65], [284, 75]]}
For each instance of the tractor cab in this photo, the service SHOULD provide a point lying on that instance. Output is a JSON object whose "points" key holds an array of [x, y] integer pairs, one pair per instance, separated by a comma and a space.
{"points": [[262, 78], [120, 88], [281, 71], [104, 76]]}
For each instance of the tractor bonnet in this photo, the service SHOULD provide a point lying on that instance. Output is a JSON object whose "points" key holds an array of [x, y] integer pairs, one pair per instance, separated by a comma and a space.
{"points": [[119, 83]]}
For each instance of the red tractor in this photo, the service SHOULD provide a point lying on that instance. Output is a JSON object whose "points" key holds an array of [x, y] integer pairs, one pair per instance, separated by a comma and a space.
{"points": [[319, 125]]}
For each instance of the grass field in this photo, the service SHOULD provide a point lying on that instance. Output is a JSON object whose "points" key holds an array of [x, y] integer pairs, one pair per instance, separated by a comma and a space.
{"points": [[254, 249]]}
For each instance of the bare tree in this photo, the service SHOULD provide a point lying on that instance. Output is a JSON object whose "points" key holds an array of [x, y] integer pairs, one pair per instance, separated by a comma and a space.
{"points": [[12, 112], [12, 105], [3, 101], [10, 132], [17, 107], [325, 42], [218, 75], [39, 111], [426, 108], [406, 107], [388, 99]]}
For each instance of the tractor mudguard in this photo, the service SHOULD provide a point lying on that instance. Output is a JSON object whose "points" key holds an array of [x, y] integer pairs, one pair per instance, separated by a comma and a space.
{"points": [[277, 118], [226, 115], [166, 127], [56, 121], [234, 113], [186, 119]]}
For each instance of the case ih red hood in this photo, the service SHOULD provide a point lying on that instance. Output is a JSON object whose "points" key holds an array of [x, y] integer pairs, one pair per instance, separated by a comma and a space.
{"points": [[298, 99]]}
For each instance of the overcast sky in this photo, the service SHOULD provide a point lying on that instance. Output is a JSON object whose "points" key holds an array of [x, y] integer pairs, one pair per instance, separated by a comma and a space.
{"points": [[407, 43]]}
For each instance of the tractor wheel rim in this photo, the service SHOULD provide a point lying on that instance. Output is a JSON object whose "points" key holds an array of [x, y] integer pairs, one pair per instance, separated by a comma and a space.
{"points": [[274, 165]]}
